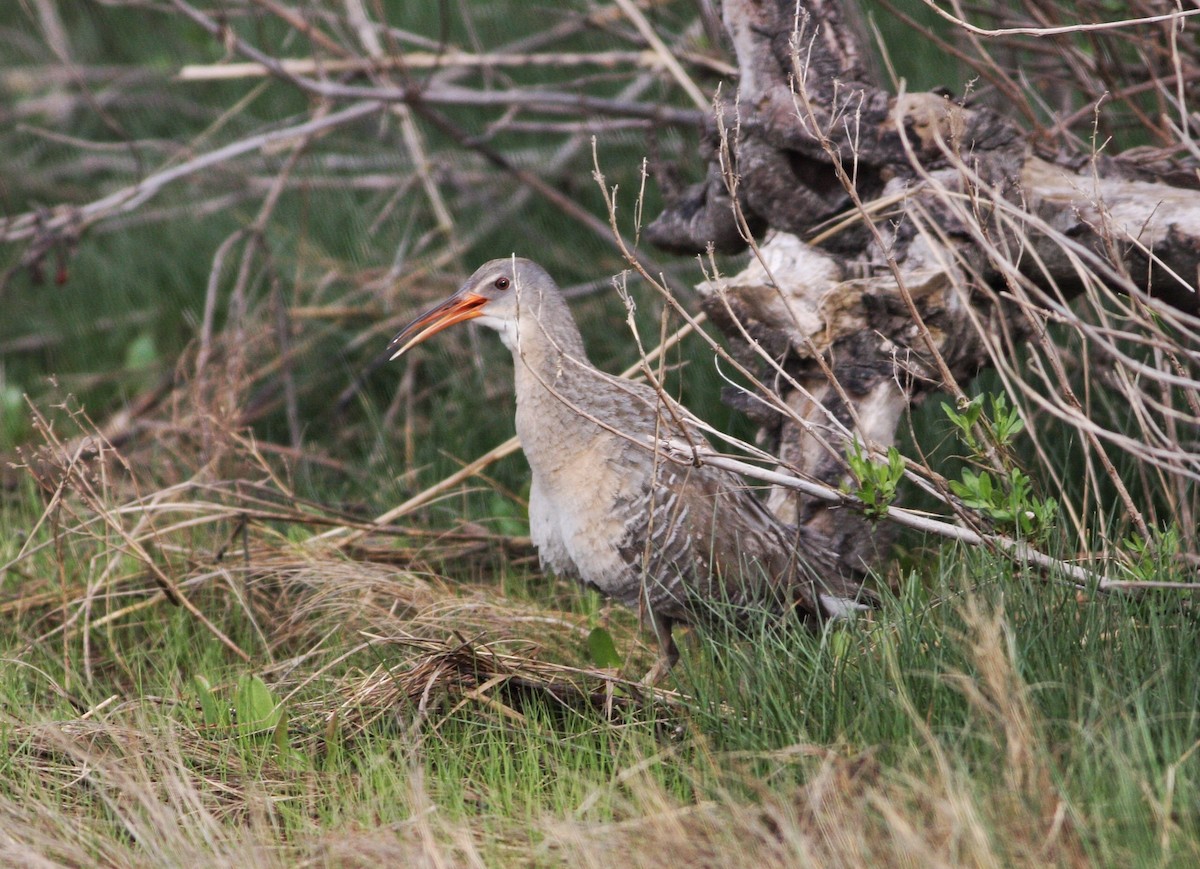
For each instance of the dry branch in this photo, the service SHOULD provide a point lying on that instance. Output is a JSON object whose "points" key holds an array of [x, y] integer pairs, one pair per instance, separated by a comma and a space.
{"points": [[898, 242], [957, 246], [73, 219], [419, 60]]}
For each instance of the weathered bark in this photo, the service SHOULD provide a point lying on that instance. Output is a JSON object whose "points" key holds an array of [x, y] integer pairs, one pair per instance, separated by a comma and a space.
{"points": [[895, 311]]}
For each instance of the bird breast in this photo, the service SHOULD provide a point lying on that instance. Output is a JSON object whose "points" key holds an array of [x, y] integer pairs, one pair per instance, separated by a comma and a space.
{"points": [[597, 510], [576, 518]]}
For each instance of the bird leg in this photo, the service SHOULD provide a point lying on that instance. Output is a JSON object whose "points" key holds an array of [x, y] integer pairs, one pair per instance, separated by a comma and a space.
{"points": [[668, 652]]}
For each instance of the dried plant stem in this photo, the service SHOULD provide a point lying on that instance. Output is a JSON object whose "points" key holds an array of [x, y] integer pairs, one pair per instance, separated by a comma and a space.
{"points": [[1018, 550], [665, 54], [345, 536], [1122, 24], [450, 59], [127, 199]]}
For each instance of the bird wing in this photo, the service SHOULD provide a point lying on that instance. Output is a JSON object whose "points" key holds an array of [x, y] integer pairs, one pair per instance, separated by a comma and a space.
{"points": [[699, 532]]}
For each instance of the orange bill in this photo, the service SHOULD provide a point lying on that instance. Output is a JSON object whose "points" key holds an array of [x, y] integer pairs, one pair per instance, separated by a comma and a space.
{"points": [[456, 309]]}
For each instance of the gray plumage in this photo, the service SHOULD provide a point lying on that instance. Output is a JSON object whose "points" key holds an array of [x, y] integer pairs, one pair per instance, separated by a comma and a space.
{"points": [[605, 506]]}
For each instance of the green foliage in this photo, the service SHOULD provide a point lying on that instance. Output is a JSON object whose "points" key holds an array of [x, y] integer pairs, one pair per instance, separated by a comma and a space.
{"points": [[506, 516], [1000, 429], [14, 423], [1010, 504], [255, 708], [253, 715], [1007, 499], [1155, 559], [141, 353], [877, 480], [215, 713], [603, 650], [964, 420], [1006, 421]]}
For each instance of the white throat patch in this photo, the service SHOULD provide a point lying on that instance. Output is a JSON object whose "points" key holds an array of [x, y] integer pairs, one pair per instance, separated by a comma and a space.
{"points": [[506, 328]]}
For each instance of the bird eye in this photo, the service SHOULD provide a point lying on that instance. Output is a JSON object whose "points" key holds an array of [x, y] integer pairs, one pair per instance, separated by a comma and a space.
{"points": [[501, 283]]}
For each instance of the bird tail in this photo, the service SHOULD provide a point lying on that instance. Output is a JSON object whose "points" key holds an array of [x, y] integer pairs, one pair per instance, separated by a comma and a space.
{"points": [[835, 590], [834, 607]]}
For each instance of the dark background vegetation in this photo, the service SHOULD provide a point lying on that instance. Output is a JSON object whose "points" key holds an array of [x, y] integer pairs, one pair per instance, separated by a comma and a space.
{"points": [[989, 715], [132, 293]]}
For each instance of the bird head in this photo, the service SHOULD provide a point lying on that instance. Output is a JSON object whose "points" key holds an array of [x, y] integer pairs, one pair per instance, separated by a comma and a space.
{"points": [[498, 295]]}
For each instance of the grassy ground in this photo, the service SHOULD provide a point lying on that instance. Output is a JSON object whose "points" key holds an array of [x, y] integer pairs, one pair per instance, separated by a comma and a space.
{"points": [[425, 696], [982, 717]]}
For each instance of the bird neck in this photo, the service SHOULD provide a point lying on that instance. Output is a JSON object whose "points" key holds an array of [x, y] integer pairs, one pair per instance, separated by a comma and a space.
{"points": [[552, 375], [546, 342]]}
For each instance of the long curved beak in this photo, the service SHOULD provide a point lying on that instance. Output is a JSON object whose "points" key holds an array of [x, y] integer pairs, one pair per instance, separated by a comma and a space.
{"points": [[459, 307]]}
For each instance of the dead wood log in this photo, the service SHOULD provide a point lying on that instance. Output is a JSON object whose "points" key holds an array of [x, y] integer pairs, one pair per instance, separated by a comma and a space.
{"points": [[953, 230]]}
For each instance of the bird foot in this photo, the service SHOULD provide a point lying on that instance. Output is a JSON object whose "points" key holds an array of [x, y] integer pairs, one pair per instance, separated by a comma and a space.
{"points": [[668, 652]]}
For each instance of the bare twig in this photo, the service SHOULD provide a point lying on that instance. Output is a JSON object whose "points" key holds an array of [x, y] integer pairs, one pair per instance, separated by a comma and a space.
{"points": [[129, 198], [450, 59], [345, 536], [1121, 24], [665, 54], [1018, 550]]}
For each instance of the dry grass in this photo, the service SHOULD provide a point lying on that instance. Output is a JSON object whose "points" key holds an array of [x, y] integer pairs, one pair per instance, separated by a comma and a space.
{"points": [[125, 787], [134, 780], [422, 661]]}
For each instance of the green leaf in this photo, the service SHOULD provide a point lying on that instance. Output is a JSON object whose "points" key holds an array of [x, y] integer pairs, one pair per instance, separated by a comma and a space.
{"points": [[964, 419], [141, 352], [255, 706], [603, 649], [280, 735], [215, 714], [839, 645], [877, 481], [1006, 421], [11, 397], [973, 410]]}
